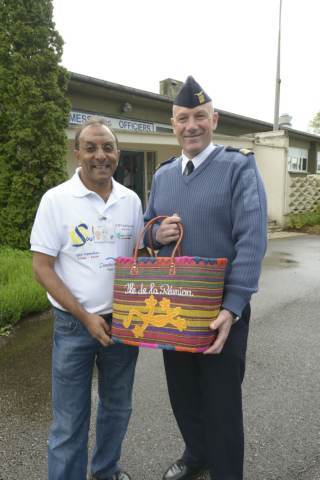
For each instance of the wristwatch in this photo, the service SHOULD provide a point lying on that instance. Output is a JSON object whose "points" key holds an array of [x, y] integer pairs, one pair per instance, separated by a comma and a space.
{"points": [[235, 317]]}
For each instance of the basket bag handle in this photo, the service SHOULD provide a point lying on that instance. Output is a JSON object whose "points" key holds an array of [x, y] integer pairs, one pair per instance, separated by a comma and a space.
{"points": [[147, 227]]}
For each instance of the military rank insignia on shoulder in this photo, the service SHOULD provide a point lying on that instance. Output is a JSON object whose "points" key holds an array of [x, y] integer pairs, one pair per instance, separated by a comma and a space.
{"points": [[244, 151], [166, 162]]}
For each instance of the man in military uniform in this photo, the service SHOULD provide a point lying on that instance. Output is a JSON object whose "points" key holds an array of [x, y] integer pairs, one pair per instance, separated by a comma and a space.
{"points": [[218, 195]]}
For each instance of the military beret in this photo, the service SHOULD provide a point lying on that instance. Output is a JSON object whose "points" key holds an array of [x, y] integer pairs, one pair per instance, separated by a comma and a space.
{"points": [[191, 94]]}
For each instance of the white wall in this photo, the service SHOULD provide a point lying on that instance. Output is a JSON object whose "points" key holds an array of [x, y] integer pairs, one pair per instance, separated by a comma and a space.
{"points": [[271, 155]]}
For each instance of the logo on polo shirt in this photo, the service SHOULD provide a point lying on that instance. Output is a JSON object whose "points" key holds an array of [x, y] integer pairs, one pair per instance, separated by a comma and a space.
{"points": [[101, 233], [124, 231], [80, 235]]}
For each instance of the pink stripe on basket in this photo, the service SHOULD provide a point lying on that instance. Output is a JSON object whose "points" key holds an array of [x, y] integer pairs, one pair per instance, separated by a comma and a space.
{"points": [[178, 261], [149, 345]]}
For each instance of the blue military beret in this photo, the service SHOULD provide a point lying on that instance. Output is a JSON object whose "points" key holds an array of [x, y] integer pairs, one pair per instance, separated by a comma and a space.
{"points": [[191, 94]]}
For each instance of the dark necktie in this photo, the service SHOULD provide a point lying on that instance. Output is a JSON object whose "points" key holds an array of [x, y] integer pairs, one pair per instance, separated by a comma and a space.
{"points": [[189, 168]]}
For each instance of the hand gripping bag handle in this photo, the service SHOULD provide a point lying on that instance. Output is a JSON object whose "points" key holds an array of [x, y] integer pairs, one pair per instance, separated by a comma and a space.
{"points": [[147, 227], [150, 239]]}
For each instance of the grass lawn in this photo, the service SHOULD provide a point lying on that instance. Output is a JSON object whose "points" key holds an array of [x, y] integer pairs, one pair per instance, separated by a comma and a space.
{"points": [[20, 294], [308, 222]]}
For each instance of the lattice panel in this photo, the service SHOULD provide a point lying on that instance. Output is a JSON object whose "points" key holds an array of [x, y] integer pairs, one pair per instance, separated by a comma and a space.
{"points": [[304, 195]]}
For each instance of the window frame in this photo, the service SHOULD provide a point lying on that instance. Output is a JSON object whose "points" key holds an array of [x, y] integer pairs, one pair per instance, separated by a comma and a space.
{"points": [[297, 160], [318, 163]]}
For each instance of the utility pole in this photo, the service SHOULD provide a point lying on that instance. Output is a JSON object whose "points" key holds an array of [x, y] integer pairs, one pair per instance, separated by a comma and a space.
{"points": [[278, 79]]}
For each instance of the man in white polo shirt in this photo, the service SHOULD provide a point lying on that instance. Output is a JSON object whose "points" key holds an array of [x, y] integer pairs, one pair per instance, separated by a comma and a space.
{"points": [[81, 226]]}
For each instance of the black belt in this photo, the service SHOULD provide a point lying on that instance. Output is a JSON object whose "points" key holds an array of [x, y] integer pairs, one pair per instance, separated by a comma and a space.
{"points": [[107, 317]]}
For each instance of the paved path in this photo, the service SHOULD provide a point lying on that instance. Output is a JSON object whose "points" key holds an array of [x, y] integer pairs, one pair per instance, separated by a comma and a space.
{"points": [[281, 389]]}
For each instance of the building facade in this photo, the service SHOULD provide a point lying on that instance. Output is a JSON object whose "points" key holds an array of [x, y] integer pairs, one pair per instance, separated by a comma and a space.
{"points": [[289, 160]]}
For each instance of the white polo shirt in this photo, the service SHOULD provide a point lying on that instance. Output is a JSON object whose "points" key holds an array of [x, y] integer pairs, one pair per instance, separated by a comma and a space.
{"points": [[86, 234]]}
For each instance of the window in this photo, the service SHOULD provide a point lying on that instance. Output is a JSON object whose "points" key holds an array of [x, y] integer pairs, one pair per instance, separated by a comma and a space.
{"points": [[298, 160]]}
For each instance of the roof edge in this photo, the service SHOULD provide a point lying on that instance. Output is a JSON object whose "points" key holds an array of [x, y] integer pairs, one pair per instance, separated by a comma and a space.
{"points": [[122, 88]]}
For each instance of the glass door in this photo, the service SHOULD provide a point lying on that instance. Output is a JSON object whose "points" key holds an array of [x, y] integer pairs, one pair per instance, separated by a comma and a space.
{"points": [[135, 171], [149, 168], [130, 171]]}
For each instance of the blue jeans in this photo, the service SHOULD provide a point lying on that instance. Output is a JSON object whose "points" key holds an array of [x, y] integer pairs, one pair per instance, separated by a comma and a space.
{"points": [[74, 353]]}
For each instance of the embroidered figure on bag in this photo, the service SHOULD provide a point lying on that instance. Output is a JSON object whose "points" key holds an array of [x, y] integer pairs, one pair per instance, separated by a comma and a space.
{"points": [[170, 316]]}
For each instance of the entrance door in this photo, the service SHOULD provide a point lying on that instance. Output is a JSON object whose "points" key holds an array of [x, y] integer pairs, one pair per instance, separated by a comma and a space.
{"points": [[135, 171]]}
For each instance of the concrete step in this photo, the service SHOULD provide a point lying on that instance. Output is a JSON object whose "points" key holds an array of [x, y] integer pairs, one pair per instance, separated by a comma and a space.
{"points": [[273, 226]]}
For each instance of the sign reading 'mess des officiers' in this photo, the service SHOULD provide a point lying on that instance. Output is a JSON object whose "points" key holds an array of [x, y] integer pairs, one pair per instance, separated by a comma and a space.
{"points": [[77, 118]]}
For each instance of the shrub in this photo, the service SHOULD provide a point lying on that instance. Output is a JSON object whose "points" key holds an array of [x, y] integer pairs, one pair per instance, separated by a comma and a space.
{"points": [[20, 294], [34, 112], [300, 220]]}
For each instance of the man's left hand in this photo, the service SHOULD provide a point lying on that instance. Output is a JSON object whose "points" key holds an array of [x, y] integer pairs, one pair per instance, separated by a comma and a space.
{"points": [[222, 325]]}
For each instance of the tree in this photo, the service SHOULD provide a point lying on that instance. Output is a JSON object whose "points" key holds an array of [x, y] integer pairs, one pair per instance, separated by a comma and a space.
{"points": [[33, 114], [315, 123]]}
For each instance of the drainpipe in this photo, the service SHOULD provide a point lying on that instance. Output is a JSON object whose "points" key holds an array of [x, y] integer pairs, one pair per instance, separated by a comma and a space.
{"points": [[278, 79]]}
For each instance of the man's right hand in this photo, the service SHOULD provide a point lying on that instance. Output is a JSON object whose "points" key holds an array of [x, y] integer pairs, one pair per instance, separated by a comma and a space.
{"points": [[168, 231], [98, 328], [43, 267]]}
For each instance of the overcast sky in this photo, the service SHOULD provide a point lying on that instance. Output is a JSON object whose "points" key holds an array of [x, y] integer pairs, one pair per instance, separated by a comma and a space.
{"points": [[229, 46]]}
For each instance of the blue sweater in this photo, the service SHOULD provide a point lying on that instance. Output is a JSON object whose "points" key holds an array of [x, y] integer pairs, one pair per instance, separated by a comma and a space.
{"points": [[223, 209]]}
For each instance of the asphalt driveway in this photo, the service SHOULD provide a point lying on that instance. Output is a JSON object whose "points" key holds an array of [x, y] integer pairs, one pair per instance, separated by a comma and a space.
{"points": [[281, 388]]}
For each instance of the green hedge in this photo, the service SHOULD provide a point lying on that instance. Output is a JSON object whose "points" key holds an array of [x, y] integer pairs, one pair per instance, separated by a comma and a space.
{"points": [[34, 114], [20, 294]]}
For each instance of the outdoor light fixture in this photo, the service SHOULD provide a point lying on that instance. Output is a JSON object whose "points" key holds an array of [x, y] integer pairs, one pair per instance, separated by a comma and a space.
{"points": [[126, 107]]}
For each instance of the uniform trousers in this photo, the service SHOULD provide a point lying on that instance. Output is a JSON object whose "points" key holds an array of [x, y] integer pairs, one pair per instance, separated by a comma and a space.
{"points": [[206, 399]]}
